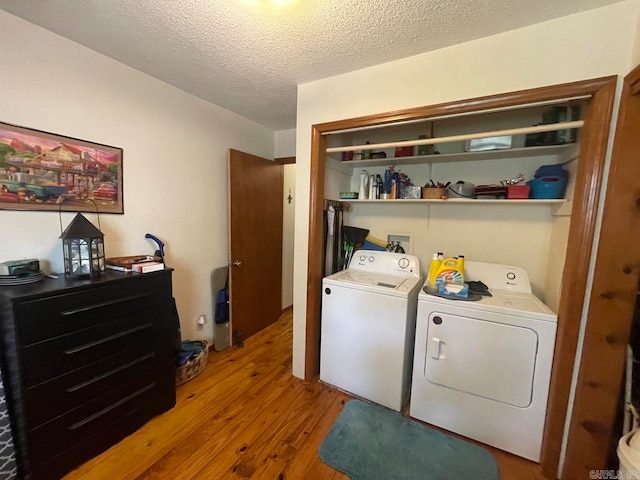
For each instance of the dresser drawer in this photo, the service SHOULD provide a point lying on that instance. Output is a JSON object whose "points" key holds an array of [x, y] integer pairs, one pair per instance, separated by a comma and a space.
{"points": [[60, 355], [93, 445], [64, 393], [57, 315], [61, 433]]}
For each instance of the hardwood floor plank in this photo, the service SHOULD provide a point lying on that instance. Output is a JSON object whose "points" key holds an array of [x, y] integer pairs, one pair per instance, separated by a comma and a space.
{"points": [[302, 463], [228, 462], [245, 417], [219, 423]]}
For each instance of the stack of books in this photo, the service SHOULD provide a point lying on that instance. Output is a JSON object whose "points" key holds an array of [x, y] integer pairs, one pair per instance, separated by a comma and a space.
{"points": [[135, 263]]}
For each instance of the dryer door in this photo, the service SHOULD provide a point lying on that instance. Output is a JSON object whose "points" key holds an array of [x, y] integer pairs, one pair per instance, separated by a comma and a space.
{"points": [[489, 359]]}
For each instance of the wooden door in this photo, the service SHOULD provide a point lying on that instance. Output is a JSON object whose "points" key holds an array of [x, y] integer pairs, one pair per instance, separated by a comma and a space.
{"points": [[255, 243], [613, 297]]}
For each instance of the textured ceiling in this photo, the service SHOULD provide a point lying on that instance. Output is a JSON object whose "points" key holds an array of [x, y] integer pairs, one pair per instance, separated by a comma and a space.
{"points": [[250, 62]]}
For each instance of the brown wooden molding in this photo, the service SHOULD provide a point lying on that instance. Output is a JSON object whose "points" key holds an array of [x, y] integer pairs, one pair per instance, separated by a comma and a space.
{"points": [[314, 262], [613, 298], [285, 160], [512, 99], [589, 178], [593, 144]]}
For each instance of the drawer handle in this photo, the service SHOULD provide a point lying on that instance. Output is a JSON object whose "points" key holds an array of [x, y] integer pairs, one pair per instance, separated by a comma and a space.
{"points": [[97, 378], [108, 303], [122, 401], [110, 338]]}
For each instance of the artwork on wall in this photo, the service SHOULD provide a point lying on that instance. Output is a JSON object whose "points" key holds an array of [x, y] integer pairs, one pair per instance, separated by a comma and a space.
{"points": [[45, 171]]}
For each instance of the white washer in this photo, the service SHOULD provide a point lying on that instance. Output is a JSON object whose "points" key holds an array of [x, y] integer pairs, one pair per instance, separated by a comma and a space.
{"points": [[481, 369], [368, 326]]}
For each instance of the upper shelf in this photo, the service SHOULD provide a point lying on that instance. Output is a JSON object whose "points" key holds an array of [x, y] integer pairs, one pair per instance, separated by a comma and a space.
{"points": [[465, 201], [461, 157]]}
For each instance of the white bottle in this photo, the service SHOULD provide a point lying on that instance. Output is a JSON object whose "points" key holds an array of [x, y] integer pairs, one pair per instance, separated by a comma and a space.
{"points": [[373, 187], [364, 186]]}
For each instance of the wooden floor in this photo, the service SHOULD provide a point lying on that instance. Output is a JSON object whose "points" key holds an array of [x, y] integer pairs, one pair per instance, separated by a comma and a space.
{"points": [[245, 416]]}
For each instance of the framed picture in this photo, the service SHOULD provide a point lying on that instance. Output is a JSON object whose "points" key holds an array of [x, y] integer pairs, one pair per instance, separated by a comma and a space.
{"points": [[45, 171]]}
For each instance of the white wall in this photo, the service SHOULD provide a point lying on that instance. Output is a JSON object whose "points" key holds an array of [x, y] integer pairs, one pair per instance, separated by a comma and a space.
{"points": [[587, 45], [285, 146], [288, 231], [285, 143], [175, 157], [635, 60]]}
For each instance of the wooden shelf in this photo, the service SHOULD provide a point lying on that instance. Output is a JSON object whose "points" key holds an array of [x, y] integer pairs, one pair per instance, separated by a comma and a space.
{"points": [[463, 201], [458, 157]]}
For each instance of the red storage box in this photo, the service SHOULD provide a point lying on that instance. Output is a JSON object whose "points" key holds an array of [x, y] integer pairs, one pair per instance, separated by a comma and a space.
{"points": [[518, 192], [407, 151]]}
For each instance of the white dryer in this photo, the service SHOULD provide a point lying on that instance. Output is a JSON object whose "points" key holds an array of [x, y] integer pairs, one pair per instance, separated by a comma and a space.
{"points": [[368, 326], [481, 369]]}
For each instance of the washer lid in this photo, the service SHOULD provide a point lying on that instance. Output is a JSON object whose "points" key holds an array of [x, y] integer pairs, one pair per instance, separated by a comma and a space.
{"points": [[374, 282]]}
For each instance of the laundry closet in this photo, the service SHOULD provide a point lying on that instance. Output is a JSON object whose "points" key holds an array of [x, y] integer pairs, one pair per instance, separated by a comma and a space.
{"points": [[491, 209], [528, 233]]}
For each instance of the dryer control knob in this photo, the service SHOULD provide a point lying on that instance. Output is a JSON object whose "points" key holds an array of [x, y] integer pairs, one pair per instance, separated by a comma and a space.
{"points": [[371, 258], [362, 258], [327, 291], [511, 276], [403, 262], [437, 320]]}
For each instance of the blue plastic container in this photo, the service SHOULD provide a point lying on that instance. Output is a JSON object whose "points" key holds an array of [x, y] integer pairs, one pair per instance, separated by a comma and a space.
{"points": [[555, 170], [548, 187]]}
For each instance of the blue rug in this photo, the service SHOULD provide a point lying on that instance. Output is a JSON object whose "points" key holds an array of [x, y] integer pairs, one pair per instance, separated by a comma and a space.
{"points": [[369, 442]]}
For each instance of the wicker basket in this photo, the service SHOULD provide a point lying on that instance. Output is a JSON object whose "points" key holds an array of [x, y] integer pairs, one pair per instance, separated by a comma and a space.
{"points": [[433, 192], [192, 368]]}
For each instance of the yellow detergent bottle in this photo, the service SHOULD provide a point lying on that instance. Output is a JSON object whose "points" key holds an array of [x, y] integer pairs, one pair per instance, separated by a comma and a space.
{"points": [[434, 268], [451, 271]]}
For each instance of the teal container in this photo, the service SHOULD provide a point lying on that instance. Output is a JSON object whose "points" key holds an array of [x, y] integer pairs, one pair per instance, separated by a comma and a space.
{"points": [[549, 187]]}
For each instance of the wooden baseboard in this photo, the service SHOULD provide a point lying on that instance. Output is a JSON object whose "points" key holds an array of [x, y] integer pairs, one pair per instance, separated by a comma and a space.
{"points": [[287, 309]]}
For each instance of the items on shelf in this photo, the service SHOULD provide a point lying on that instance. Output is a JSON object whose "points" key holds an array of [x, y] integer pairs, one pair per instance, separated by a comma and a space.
{"points": [[549, 182], [404, 151], [556, 114], [425, 149], [364, 186], [461, 189], [435, 190], [491, 143], [348, 195]]}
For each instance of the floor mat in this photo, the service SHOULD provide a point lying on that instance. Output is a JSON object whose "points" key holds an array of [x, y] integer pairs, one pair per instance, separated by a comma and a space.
{"points": [[369, 442]]}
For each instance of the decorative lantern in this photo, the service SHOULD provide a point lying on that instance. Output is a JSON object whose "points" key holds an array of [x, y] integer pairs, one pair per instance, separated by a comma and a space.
{"points": [[83, 247]]}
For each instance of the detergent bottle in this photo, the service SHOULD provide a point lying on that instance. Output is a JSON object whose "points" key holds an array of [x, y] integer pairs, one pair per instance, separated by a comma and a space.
{"points": [[436, 261], [451, 271]]}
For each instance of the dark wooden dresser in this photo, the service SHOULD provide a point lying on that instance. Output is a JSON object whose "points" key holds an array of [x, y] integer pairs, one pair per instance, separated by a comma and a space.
{"points": [[85, 363]]}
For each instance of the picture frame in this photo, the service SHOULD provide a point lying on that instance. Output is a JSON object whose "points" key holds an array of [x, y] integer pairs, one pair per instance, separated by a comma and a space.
{"points": [[44, 171]]}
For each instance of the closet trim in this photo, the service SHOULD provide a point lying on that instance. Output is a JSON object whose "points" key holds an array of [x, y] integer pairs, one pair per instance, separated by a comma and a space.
{"points": [[595, 134]]}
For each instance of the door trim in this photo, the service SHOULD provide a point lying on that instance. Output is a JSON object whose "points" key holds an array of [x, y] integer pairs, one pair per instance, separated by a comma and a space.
{"points": [[613, 298], [595, 134]]}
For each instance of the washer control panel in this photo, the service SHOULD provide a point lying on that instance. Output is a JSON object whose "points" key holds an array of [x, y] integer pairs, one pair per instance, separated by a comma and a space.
{"points": [[385, 262]]}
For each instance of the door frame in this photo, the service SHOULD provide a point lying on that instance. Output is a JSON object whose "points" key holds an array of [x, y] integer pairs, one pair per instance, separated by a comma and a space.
{"points": [[613, 297], [593, 146]]}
